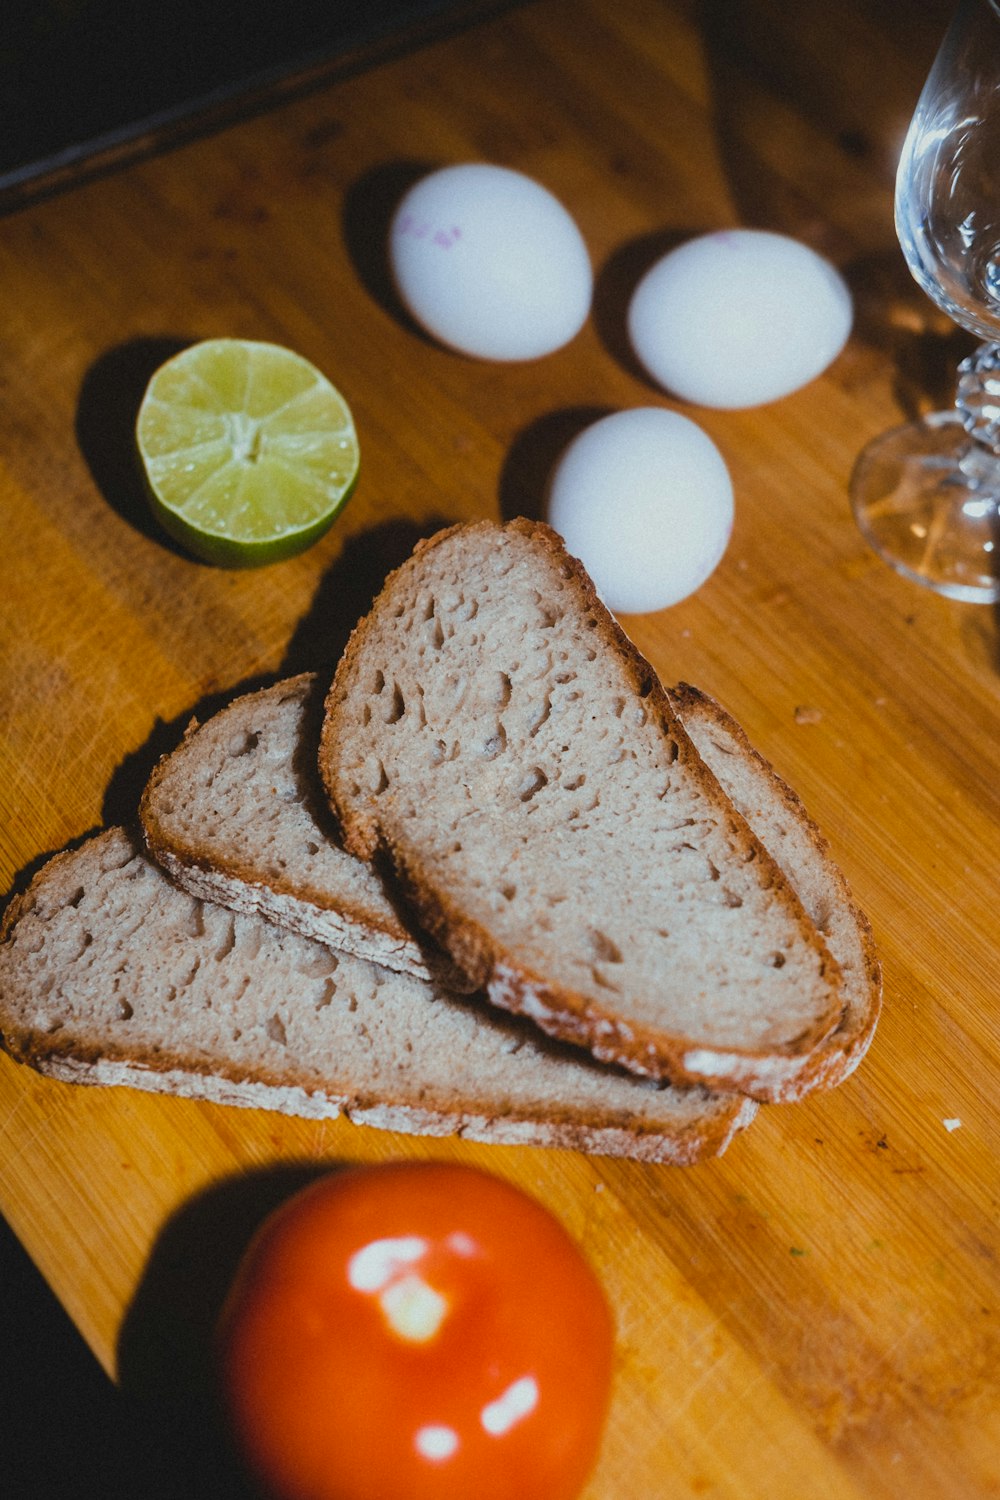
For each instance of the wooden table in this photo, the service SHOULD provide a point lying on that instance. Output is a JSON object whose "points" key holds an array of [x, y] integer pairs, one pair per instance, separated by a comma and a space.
{"points": [[818, 1312]]}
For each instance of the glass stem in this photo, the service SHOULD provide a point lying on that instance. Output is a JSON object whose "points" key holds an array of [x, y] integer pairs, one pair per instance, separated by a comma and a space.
{"points": [[977, 400]]}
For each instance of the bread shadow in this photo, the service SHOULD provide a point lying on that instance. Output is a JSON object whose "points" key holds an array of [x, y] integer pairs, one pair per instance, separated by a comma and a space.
{"points": [[305, 769], [348, 589], [120, 806], [343, 596], [165, 1355], [120, 803], [26, 874]]}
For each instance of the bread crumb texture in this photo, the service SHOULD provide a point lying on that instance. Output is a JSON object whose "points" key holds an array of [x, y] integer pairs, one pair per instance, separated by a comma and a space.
{"points": [[240, 795]]}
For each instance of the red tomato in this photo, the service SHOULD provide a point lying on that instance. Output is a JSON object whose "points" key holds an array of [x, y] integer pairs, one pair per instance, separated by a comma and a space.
{"points": [[418, 1331]]}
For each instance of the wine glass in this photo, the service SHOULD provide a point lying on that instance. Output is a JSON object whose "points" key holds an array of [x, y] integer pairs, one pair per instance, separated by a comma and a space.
{"points": [[927, 495]]}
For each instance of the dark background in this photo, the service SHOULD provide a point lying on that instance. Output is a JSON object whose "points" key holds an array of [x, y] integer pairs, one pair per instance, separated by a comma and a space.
{"points": [[67, 1437], [79, 77]]}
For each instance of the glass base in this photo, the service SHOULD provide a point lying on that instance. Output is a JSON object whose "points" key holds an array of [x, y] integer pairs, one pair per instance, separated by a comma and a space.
{"points": [[926, 499]]}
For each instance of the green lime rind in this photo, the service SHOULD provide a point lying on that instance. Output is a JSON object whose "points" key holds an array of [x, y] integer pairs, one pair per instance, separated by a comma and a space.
{"points": [[224, 552]]}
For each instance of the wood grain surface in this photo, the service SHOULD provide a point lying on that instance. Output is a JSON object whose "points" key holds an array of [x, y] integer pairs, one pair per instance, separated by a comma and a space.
{"points": [[818, 1312]]}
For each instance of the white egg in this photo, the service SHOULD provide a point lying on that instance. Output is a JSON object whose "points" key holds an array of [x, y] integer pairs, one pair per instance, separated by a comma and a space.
{"points": [[739, 318], [643, 498], [490, 263]]}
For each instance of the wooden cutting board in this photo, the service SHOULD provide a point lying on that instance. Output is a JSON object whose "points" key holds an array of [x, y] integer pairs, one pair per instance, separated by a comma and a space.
{"points": [[818, 1312]]}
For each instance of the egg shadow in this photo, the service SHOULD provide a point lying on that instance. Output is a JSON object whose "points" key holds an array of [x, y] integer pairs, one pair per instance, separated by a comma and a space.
{"points": [[111, 393], [614, 286], [369, 206], [532, 456], [165, 1355]]}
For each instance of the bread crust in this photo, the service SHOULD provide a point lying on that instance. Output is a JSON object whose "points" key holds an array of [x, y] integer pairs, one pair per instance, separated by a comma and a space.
{"points": [[510, 983], [837, 1058], [710, 1137]]}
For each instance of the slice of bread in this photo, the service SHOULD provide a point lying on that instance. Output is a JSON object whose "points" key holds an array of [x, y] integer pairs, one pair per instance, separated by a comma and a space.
{"points": [[492, 731], [236, 814], [110, 974], [780, 821]]}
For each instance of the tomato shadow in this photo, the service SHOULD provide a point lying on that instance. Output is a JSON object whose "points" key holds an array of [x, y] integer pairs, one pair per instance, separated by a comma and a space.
{"points": [[166, 1373]]}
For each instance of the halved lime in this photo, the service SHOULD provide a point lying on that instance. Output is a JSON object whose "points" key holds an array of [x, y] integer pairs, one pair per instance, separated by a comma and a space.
{"points": [[249, 452]]}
